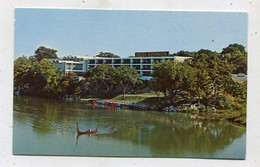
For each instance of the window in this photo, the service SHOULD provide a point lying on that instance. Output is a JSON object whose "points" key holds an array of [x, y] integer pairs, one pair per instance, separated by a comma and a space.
{"points": [[136, 61], [137, 67], [99, 61], [91, 61], [146, 73], [146, 61], [108, 61], [68, 66], [126, 61], [117, 61], [77, 67], [146, 67]]}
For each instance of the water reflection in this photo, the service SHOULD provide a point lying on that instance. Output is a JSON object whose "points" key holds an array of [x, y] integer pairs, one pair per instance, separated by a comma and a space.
{"points": [[158, 134], [88, 135]]}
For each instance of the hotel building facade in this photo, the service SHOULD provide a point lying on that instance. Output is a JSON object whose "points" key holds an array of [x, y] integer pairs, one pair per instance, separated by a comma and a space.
{"points": [[142, 62]]}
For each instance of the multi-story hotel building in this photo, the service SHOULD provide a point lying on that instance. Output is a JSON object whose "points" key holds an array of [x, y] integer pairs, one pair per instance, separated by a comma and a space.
{"points": [[142, 62]]}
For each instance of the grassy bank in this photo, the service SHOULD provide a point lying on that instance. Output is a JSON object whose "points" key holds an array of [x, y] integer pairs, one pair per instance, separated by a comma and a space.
{"points": [[146, 98]]}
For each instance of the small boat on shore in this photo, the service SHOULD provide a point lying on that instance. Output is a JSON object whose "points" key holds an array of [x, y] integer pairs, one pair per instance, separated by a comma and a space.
{"points": [[86, 132]]}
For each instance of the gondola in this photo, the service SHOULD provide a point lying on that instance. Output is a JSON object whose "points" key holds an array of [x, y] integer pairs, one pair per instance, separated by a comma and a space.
{"points": [[86, 132]]}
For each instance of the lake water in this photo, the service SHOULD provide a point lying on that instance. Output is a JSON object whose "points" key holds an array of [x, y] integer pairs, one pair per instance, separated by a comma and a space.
{"points": [[47, 127]]}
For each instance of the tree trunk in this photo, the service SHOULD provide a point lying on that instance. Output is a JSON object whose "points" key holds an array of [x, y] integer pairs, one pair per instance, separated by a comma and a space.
{"points": [[124, 90], [107, 87], [124, 93], [164, 93]]}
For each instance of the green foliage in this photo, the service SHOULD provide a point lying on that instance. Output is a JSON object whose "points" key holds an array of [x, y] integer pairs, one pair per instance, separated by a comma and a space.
{"points": [[236, 55], [108, 54], [220, 102], [104, 78], [44, 53], [172, 77], [70, 85], [206, 77], [236, 89], [100, 78], [184, 54], [126, 76], [36, 77], [22, 66], [212, 74], [232, 48], [40, 78]]}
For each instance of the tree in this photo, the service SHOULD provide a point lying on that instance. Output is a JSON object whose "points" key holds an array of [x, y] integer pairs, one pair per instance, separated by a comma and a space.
{"points": [[99, 77], [43, 52], [232, 48], [38, 78], [161, 74], [71, 85], [236, 55], [212, 75], [184, 53], [44, 73], [173, 77], [126, 76], [107, 54], [22, 66]]}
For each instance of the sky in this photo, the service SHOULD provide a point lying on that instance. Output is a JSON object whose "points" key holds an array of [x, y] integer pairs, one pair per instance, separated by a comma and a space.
{"points": [[88, 32]]}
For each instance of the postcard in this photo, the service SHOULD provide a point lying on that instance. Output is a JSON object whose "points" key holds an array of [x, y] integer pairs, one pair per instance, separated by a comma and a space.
{"points": [[128, 83]]}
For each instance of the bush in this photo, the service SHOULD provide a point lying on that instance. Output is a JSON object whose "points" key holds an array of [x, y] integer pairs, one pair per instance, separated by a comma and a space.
{"points": [[220, 102]]}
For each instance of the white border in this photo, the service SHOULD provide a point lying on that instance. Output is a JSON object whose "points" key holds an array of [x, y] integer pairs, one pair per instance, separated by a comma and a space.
{"points": [[6, 81]]}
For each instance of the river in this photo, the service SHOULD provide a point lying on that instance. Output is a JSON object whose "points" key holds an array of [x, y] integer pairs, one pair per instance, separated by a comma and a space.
{"points": [[47, 127]]}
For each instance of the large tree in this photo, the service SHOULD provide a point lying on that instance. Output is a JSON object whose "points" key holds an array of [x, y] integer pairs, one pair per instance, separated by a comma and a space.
{"points": [[236, 55], [213, 76], [22, 66], [71, 85], [38, 78], [99, 77], [126, 76], [171, 77], [44, 52]]}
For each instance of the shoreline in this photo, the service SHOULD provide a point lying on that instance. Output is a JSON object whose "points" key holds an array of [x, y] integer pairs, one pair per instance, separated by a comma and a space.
{"points": [[145, 107], [217, 115]]}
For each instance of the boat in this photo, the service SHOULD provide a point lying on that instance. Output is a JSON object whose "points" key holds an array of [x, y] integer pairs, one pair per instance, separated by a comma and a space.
{"points": [[86, 132]]}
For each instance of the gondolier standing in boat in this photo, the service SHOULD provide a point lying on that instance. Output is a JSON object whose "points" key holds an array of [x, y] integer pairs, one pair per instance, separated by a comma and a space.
{"points": [[86, 132]]}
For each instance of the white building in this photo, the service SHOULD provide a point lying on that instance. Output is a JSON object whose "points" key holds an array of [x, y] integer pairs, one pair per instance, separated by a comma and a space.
{"points": [[142, 62]]}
